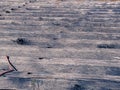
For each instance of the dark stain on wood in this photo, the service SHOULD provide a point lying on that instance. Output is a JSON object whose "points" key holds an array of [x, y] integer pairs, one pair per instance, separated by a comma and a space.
{"points": [[13, 9], [41, 58], [78, 87], [22, 41], [7, 11], [109, 46]]}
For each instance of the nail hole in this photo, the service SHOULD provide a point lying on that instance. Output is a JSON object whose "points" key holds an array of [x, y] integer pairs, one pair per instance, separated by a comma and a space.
{"points": [[40, 58], [29, 73], [13, 9], [49, 47]]}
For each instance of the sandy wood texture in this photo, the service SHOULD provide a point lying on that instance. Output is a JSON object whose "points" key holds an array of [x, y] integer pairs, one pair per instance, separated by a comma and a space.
{"points": [[60, 44]]}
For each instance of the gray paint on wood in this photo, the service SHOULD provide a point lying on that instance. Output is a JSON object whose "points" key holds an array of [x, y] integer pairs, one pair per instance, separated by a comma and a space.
{"points": [[60, 45]]}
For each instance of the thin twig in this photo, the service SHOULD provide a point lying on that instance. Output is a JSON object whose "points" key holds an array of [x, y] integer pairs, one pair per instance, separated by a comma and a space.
{"points": [[4, 72], [11, 65]]}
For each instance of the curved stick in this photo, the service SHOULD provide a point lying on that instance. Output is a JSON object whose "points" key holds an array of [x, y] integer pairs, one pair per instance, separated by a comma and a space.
{"points": [[4, 72], [11, 65]]}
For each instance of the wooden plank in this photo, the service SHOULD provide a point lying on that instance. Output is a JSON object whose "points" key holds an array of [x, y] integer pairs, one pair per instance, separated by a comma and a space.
{"points": [[73, 45]]}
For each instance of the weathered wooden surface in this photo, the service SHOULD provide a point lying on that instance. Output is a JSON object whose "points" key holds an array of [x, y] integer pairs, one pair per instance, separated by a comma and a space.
{"points": [[67, 45]]}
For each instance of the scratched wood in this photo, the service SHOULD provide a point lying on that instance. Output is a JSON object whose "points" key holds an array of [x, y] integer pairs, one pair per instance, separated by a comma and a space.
{"points": [[60, 44]]}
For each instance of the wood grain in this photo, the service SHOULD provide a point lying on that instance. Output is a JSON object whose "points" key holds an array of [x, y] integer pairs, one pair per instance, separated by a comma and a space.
{"points": [[60, 44]]}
